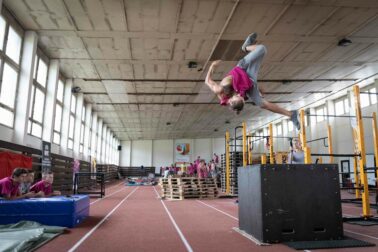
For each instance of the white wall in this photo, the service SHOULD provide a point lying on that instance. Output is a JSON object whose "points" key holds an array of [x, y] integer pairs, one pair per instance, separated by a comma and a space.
{"points": [[162, 152], [125, 154], [218, 146], [203, 148], [141, 153]]}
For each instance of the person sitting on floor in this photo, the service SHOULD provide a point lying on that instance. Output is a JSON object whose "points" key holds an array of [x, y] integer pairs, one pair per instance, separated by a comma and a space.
{"points": [[10, 186], [45, 185]]}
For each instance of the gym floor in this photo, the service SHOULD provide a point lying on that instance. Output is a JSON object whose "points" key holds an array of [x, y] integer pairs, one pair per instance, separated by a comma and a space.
{"points": [[135, 219]]}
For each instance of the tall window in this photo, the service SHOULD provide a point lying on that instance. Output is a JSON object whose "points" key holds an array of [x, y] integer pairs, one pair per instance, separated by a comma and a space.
{"points": [[320, 113], [82, 130], [10, 51], [38, 94], [71, 129], [368, 99], [290, 126], [58, 112], [89, 137], [341, 106], [279, 129]]}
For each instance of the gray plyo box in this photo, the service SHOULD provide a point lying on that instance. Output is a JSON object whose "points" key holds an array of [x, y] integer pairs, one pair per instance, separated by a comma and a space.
{"points": [[293, 202]]}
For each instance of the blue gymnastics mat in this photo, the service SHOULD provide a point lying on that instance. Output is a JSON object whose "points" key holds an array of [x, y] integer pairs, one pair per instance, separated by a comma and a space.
{"points": [[54, 211]]}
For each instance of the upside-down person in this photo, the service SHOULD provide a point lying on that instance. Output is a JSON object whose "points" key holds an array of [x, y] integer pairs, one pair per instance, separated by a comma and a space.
{"points": [[45, 185], [240, 83]]}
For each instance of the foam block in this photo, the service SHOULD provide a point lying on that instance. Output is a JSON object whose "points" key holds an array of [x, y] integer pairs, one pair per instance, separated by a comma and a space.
{"points": [[57, 211]]}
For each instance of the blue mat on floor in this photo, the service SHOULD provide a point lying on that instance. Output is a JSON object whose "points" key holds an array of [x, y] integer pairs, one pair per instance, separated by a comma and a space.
{"points": [[54, 211]]}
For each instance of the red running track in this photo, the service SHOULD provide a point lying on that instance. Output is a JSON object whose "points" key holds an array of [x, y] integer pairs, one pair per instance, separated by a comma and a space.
{"points": [[135, 219]]}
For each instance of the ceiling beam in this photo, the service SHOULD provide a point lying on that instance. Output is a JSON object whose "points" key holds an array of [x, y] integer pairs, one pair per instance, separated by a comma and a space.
{"points": [[286, 81], [137, 94], [170, 103], [203, 36]]}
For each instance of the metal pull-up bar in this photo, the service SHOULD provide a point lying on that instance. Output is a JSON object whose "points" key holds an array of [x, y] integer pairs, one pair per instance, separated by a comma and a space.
{"points": [[359, 155]]}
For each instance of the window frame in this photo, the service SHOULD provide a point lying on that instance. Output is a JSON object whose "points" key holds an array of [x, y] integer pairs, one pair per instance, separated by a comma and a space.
{"points": [[82, 129], [61, 104], [72, 114], [4, 58], [40, 56]]}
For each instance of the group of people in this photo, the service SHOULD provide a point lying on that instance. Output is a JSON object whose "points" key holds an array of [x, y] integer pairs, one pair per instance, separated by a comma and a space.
{"points": [[199, 168], [20, 185]]}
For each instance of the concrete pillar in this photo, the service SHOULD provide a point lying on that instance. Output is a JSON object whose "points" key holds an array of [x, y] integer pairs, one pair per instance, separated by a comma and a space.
{"points": [[52, 83], [29, 50], [66, 115], [77, 133]]}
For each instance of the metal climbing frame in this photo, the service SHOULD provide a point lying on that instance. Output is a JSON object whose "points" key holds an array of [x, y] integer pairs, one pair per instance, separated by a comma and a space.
{"points": [[360, 156]]}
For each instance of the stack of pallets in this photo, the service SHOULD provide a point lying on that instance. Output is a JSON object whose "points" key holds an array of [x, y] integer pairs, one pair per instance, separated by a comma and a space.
{"points": [[208, 188], [236, 160], [188, 188]]}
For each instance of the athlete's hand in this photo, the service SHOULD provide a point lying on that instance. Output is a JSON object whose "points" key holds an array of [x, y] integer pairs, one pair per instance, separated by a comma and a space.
{"points": [[216, 63]]}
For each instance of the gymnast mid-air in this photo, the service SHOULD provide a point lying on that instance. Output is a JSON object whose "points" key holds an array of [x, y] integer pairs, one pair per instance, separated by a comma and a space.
{"points": [[240, 84]]}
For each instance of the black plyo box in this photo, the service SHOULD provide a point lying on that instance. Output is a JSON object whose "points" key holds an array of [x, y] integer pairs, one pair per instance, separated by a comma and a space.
{"points": [[290, 202]]}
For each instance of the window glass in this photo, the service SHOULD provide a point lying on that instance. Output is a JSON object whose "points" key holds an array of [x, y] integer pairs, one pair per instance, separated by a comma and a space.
{"points": [[364, 98], [56, 138], [13, 49], [71, 130], [82, 133], [6, 117], [39, 103], [83, 114], [279, 129], [290, 126], [42, 73], [35, 67], [8, 86], [339, 107], [373, 96], [70, 144], [73, 104], [2, 31], [319, 114], [58, 118], [346, 105], [60, 91], [36, 130]]}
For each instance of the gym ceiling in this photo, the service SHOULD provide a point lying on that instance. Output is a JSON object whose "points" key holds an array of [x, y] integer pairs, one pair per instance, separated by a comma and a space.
{"points": [[131, 57]]}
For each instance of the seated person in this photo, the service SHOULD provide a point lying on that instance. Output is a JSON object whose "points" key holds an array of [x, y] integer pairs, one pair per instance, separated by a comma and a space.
{"points": [[10, 186], [25, 186], [296, 155], [45, 185]]}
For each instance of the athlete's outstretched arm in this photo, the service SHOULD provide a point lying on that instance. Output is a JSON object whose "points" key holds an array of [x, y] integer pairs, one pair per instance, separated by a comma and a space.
{"points": [[209, 81]]}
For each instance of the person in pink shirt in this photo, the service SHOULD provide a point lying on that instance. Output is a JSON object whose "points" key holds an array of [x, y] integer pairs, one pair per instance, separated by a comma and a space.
{"points": [[10, 186], [240, 83], [201, 169], [191, 169], [45, 185]]}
